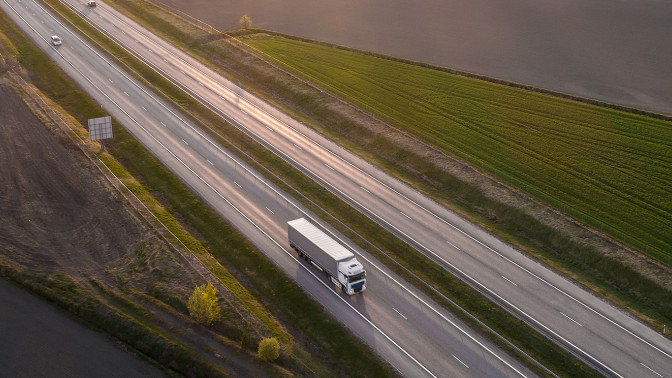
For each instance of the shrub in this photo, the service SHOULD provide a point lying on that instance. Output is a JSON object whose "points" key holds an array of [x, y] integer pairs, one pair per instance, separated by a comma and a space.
{"points": [[269, 349], [203, 304]]}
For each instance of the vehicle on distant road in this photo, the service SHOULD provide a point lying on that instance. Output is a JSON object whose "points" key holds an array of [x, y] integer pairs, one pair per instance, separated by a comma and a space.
{"points": [[326, 254], [91, 3], [56, 40]]}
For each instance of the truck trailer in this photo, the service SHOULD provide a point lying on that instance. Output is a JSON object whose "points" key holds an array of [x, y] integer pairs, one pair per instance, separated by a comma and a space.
{"points": [[328, 255]]}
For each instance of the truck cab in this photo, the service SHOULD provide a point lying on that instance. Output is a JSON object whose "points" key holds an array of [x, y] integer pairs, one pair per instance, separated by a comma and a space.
{"points": [[352, 276]]}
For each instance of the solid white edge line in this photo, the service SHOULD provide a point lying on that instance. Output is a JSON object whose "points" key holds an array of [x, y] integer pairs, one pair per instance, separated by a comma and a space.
{"points": [[226, 200], [235, 121]]}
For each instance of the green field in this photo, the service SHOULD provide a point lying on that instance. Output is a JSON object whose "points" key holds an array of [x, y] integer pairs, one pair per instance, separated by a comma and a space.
{"points": [[608, 169]]}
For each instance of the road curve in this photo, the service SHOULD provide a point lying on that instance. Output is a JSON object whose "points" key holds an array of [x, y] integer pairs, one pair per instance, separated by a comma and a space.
{"points": [[403, 326], [601, 334]]}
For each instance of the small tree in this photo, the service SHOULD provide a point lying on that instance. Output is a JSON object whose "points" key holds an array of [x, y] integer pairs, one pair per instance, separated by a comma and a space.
{"points": [[269, 349], [245, 22], [203, 304]]}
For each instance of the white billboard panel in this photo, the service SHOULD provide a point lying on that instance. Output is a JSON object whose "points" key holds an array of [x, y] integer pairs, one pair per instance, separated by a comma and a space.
{"points": [[100, 128]]}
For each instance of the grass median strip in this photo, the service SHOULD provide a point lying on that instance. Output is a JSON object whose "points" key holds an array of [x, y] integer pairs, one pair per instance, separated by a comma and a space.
{"points": [[233, 253], [286, 174]]}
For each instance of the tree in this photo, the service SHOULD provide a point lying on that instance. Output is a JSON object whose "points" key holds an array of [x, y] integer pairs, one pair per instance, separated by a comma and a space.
{"points": [[245, 22], [203, 304], [269, 349]]}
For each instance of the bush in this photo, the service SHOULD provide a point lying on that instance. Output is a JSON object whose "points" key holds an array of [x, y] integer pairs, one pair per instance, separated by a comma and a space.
{"points": [[203, 304], [269, 349]]}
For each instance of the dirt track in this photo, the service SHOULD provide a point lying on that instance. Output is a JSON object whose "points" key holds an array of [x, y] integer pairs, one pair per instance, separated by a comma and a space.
{"points": [[54, 216]]}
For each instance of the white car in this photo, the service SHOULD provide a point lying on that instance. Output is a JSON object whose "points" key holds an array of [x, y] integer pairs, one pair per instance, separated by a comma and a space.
{"points": [[56, 40]]}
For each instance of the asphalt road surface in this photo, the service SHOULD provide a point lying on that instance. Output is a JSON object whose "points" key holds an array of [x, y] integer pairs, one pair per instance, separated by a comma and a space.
{"points": [[602, 335], [416, 336]]}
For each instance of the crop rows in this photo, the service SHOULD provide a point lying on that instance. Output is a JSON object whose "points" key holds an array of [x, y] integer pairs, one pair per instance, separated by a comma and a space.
{"points": [[608, 169]]}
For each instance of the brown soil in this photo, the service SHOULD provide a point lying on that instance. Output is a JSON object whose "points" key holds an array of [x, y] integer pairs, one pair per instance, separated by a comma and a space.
{"points": [[55, 214], [61, 214]]}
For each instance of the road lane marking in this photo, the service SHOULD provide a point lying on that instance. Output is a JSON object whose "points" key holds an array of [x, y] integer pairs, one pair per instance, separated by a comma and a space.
{"points": [[163, 123], [126, 93], [185, 142], [658, 374], [328, 166], [270, 210], [563, 314], [393, 341], [460, 361], [238, 185], [512, 283], [297, 146], [402, 213], [143, 108], [110, 80], [453, 245], [269, 128], [364, 189], [244, 112], [402, 315], [202, 85], [209, 162]]}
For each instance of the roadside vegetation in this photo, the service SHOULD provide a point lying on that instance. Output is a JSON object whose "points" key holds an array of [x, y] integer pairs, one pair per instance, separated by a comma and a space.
{"points": [[605, 275], [121, 311], [283, 298], [255, 74]]}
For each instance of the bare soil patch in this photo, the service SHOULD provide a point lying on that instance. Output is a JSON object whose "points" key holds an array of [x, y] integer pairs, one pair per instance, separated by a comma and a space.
{"points": [[56, 215], [60, 215]]}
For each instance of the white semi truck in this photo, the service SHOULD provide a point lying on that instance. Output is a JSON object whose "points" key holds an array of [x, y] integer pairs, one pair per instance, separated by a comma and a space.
{"points": [[326, 254]]}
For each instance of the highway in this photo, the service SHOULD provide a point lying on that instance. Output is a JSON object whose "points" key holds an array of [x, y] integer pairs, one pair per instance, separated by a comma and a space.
{"points": [[602, 335], [417, 337]]}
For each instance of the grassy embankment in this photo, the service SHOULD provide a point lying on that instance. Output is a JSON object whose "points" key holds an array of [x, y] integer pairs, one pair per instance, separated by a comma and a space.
{"points": [[596, 163], [529, 340], [327, 336]]}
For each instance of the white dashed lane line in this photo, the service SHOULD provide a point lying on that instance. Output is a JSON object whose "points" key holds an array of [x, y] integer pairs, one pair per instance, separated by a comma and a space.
{"points": [[511, 282], [453, 245], [563, 314]]}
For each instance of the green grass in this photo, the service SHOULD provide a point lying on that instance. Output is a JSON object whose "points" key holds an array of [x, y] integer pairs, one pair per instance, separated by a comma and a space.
{"points": [[608, 169], [338, 349], [232, 62], [304, 317]]}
